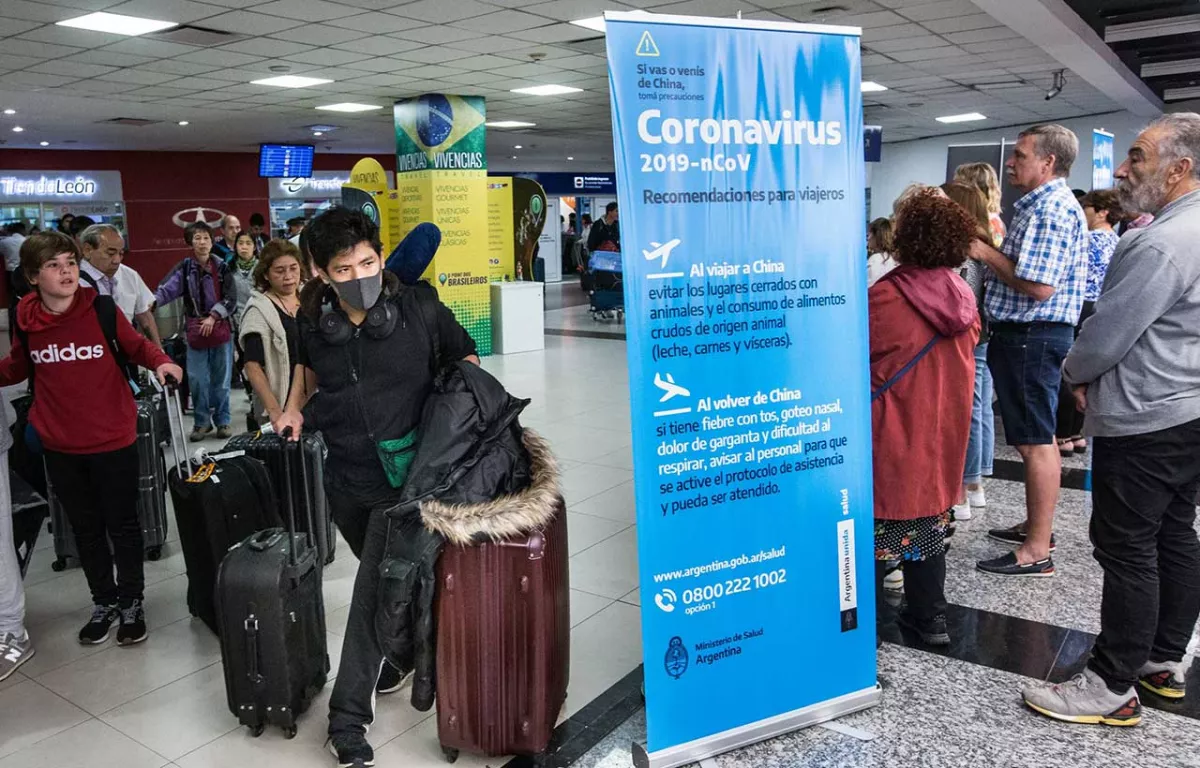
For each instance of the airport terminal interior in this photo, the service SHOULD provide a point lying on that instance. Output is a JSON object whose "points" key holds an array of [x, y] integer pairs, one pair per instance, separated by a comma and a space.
{"points": [[166, 127]]}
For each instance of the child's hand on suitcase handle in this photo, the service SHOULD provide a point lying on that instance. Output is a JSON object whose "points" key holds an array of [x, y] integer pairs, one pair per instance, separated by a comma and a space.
{"points": [[289, 425], [169, 374]]}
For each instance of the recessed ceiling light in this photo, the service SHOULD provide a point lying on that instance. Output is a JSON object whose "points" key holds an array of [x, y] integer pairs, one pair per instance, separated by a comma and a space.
{"points": [[17, 129], [117, 24], [870, 86], [291, 81], [964, 118], [44, 143], [595, 23], [10, 111], [183, 122], [509, 124], [350, 106], [516, 146], [514, 157], [570, 158], [318, 133], [547, 90]]}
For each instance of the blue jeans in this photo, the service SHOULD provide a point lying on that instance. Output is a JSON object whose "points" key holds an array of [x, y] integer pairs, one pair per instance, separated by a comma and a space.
{"points": [[1026, 360], [981, 448], [208, 378]]}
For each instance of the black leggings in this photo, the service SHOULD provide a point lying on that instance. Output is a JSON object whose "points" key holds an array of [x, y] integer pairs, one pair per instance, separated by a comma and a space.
{"points": [[99, 493]]}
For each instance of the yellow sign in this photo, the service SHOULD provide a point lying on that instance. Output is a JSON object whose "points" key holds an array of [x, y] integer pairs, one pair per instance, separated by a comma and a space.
{"points": [[368, 191], [501, 259]]}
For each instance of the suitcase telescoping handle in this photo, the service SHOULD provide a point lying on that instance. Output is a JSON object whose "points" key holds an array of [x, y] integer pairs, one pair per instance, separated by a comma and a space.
{"points": [[177, 428], [291, 494]]}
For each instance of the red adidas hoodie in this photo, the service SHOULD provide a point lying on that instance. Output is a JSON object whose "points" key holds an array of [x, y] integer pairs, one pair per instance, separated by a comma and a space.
{"points": [[82, 401]]}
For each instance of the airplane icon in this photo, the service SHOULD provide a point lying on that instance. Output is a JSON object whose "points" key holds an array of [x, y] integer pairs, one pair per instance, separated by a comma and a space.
{"points": [[671, 389], [661, 252]]}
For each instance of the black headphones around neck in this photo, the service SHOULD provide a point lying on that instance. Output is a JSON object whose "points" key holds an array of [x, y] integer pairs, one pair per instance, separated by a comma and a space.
{"points": [[337, 329]]}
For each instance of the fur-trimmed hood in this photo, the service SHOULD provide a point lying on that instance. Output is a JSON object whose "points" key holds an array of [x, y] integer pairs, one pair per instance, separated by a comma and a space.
{"points": [[507, 516]]}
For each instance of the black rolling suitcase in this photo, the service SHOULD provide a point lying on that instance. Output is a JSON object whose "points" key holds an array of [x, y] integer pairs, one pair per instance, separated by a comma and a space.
{"points": [[218, 503], [29, 511], [272, 617], [152, 494], [277, 453]]}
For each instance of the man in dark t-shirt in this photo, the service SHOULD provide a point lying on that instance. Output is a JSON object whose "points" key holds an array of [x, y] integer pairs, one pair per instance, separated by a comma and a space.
{"points": [[606, 231], [368, 343]]}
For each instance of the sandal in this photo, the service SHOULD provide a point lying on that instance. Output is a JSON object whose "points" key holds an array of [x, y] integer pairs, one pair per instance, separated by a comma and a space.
{"points": [[1066, 448]]}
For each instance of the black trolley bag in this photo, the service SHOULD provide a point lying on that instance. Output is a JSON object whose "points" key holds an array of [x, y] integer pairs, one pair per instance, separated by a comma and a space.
{"points": [[272, 616], [276, 453], [218, 502]]}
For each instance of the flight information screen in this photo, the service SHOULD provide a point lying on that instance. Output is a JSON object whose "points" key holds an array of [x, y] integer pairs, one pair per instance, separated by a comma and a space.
{"points": [[286, 160]]}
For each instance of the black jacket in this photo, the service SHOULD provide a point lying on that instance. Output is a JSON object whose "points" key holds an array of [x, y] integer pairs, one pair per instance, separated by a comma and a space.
{"points": [[476, 475], [372, 390]]}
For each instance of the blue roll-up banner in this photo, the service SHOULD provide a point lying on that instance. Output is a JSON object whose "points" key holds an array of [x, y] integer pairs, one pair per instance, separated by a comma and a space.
{"points": [[1102, 159], [740, 178]]}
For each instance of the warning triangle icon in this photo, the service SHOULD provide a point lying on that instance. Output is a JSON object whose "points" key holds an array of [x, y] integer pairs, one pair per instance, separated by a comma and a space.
{"points": [[647, 46]]}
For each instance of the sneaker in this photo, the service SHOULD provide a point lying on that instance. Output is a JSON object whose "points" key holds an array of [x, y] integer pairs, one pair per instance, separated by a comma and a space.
{"points": [[894, 580], [961, 513], [1167, 679], [932, 632], [1086, 699], [1007, 565], [13, 653], [199, 433], [1016, 537], [392, 679], [96, 630], [976, 499], [351, 750], [224, 432], [133, 624]]}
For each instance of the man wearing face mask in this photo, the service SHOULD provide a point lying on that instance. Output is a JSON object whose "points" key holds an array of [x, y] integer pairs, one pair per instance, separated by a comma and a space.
{"points": [[369, 344]]}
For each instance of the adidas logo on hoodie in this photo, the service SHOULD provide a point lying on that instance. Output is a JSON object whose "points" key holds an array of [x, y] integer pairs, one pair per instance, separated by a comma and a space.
{"points": [[67, 354]]}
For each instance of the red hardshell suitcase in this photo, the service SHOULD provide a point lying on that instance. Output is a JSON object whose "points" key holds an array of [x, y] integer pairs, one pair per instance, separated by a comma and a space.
{"points": [[503, 643]]}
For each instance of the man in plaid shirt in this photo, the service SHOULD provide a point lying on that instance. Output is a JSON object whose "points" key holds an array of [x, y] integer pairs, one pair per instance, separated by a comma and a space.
{"points": [[1035, 291]]}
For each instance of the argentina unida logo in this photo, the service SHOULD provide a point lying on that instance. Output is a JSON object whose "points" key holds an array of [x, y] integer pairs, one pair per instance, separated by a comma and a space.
{"points": [[676, 661]]}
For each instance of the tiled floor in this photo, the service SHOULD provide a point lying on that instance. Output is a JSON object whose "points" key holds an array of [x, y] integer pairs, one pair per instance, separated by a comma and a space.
{"points": [[163, 703]]}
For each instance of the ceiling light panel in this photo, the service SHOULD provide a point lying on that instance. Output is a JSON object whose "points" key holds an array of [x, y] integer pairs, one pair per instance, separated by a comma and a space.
{"points": [[117, 24], [291, 81], [547, 90], [350, 106]]}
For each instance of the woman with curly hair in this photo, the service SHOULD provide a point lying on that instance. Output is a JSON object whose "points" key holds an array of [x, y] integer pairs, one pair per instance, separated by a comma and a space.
{"points": [[924, 326]]}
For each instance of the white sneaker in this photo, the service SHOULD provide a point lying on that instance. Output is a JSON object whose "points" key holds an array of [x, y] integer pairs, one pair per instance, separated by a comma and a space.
{"points": [[13, 653], [894, 580], [962, 512], [976, 498]]}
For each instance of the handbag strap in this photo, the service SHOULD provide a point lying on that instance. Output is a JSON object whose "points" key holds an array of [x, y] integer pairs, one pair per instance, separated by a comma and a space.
{"points": [[908, 367]]}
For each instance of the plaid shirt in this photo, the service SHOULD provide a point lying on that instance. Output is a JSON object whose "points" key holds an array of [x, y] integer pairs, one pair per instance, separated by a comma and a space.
{"points": [[1048, 240]]}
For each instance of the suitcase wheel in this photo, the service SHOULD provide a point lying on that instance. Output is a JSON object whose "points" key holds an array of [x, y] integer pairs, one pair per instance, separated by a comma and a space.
{"points": [[450, 753], [257, 730], [290, 732], [153, 554], [59, 564]]}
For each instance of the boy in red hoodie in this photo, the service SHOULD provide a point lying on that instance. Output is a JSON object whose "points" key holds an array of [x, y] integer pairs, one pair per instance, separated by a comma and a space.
{"points": [[85, 415]]}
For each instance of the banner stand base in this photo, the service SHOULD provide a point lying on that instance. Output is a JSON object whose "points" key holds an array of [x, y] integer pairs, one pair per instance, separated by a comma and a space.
{"points": [[736, 738]]}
